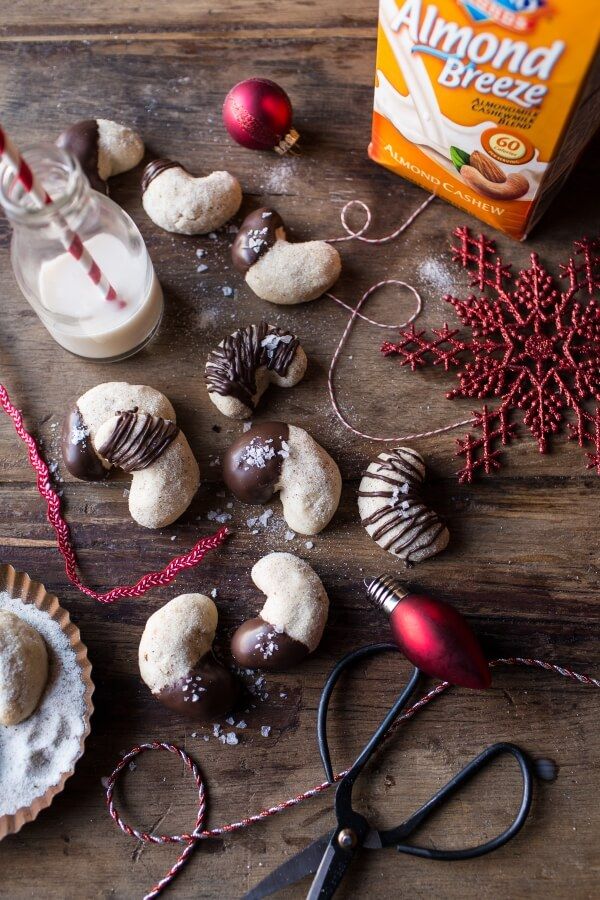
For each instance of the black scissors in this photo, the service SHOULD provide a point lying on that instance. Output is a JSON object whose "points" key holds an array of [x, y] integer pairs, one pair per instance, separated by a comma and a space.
{"points": [[329, 856]]}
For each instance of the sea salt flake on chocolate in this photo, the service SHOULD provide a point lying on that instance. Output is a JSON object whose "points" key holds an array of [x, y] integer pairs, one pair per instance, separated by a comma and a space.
{"points": [[265, 730], [232, 738], [79, 434]]}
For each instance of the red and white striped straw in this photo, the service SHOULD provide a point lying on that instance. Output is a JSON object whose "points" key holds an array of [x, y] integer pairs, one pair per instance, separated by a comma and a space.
{"points": [[70, 240]]}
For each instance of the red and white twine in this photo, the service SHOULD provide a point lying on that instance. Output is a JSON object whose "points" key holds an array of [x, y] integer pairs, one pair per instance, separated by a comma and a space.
{"points": [[200, 833], [355, 313], [70, 240], [63, 537]]}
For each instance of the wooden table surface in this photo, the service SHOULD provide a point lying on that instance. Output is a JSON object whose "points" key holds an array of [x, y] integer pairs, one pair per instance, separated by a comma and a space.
{"points": [[523, 557]]}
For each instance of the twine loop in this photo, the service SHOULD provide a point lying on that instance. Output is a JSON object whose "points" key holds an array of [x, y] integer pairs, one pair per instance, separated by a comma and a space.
{"points": [[200, 833]]}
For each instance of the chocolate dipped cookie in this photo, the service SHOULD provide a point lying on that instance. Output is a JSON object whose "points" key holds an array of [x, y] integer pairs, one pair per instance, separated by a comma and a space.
{"points": [[181, 203], [275, 457], [276, 269], [177, 662], [291, 622]]}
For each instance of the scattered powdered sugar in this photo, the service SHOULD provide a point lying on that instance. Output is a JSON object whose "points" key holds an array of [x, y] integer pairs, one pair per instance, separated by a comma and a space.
{"points": [[437, 274], [35, 753]]}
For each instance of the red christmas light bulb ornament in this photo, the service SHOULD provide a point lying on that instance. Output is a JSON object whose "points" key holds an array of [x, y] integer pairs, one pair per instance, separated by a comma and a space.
{"points": [[257, 113], [433, 635]]}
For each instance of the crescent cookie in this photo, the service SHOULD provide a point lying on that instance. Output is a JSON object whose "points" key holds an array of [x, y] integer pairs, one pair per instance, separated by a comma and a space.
{"points": [[274, 456], [390, 502], [241, 368], [132, 427], [291, 622]]}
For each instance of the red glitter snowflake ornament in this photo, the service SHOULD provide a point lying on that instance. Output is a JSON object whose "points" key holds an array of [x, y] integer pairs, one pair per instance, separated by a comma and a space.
{"points": [[535, 347]]}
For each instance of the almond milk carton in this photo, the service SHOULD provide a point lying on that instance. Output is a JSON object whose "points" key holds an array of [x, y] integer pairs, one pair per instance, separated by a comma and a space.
{"points": [[487, 103]]}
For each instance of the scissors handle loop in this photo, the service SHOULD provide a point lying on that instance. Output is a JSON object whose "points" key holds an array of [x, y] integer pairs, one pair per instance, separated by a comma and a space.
{"points": [[349, 660], [396, 836]]}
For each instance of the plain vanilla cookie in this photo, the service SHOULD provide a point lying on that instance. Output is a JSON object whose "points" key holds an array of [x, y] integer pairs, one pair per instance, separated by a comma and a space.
{"points": [[274, 457], [181, 203], [291, 622], [277, 270], [23, 668], [390, 502], [103, 148], [177, 663], [241, 368]]}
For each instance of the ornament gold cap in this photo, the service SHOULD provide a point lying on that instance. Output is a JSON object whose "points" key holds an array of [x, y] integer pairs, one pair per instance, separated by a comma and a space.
{"points": [[385, 592], [286, 143]]}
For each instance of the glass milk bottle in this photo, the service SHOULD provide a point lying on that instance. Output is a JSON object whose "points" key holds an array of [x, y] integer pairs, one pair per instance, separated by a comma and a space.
{"points": [[56, 285]]}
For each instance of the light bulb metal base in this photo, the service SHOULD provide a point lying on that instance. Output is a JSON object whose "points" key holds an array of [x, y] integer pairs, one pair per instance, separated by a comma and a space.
{"points": [[385, 592]]}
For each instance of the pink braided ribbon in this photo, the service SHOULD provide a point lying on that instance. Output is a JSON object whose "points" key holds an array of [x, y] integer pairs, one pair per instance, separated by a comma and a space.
{"points": [[63, 537], [199, 833]]}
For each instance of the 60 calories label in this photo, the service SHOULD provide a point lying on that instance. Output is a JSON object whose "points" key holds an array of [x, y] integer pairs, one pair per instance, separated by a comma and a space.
{"points": [[473, 98], [507, 147]]}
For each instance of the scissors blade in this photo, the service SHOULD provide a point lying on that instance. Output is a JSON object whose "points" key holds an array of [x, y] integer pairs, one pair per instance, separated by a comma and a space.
{"points": [[304, 863], [333, 866]]}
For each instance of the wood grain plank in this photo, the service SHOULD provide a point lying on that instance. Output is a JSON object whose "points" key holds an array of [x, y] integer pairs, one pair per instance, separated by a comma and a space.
{"points": [[523, 559]]}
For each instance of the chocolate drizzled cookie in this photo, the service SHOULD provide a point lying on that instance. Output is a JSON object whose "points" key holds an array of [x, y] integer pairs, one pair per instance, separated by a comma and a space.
{"points": [[391, 506], [231, 368], [138, 440]]}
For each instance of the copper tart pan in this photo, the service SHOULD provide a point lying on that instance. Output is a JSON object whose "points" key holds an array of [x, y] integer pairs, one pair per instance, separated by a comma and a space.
{"points": [[20, 586]]}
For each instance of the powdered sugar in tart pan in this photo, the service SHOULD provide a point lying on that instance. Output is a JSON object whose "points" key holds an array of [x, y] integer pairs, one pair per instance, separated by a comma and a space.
{"points": [[39, 754]]}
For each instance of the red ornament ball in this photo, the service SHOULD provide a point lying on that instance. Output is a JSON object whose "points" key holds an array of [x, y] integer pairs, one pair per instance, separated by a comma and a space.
{"points": [[257, 113]]}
